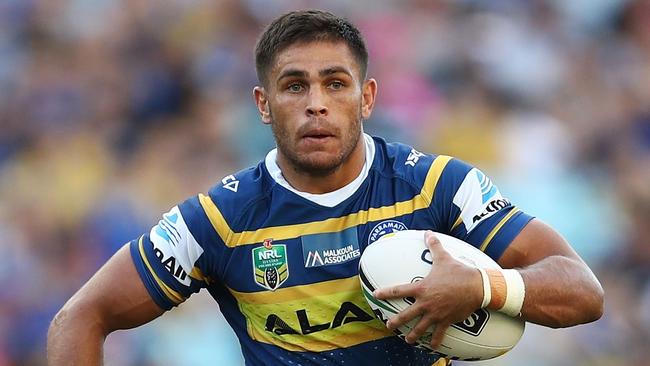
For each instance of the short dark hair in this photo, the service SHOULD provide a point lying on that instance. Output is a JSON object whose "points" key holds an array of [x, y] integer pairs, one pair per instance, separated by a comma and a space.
{"points": [[307, 26]]}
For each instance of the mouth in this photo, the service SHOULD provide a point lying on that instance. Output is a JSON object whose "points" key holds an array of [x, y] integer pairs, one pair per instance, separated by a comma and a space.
{"points": [[317, 134], [317, 137]]}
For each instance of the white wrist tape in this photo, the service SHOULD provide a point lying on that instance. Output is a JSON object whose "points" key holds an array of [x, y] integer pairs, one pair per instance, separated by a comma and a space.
{"points": [[516, 291], [487, 290]]}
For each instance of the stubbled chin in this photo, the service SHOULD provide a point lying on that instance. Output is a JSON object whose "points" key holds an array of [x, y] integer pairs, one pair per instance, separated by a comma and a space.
{"points": [[318, 156], [318, 161]]}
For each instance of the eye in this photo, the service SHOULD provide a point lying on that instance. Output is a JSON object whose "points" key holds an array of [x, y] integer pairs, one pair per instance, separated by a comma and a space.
{"points": [[295, 87], [336, 85]]}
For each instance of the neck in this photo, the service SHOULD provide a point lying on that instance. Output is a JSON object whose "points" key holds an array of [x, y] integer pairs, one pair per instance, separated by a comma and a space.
{"points": [[324, 183]]}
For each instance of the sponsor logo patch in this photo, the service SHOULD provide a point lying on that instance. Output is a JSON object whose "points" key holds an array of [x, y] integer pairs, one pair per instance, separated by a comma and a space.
{"points": [[174, 245], [166, 229], [478, 199], [413, 157], [383, 228], [230, 183], [492, 207], [330, 248], [488, 190], [348, 312], [270, 265]]}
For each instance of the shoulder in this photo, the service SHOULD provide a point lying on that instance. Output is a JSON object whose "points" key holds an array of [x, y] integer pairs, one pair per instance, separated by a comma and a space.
{"points": [[405, 162], [238, 197], [242, 187], [238, 189]]}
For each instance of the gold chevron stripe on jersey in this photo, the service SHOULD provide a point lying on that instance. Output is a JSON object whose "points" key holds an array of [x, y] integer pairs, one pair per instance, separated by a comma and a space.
{"points": [[317, 317], [335, 224], [172, 295], [442, 362], [496, 229], [299, 292], [459, 221]]}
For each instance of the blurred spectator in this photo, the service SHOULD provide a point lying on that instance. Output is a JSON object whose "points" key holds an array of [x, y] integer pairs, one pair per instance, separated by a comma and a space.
{"points": [[113, 111]]}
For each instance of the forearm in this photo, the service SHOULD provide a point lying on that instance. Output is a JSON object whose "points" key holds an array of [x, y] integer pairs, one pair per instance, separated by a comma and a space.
{"points": [[560, 292], [77, 333], [560, 289], [75, 340]]}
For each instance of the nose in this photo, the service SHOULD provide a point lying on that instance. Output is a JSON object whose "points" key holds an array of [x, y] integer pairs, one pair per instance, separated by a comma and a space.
{"points": [[316, 106]]}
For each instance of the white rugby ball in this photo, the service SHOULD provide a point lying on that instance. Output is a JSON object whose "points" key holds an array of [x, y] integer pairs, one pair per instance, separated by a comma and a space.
{"points": [[402, 257]]}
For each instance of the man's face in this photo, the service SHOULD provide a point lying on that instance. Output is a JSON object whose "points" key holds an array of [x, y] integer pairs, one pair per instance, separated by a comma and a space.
{"points": [[315, 101]]}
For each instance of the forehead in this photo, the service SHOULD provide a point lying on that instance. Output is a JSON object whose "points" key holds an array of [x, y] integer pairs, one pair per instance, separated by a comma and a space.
{"points": [[312, 57]]}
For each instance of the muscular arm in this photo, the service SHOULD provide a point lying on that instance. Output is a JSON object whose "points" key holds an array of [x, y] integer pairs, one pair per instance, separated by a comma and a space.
{"points": [[114, 298], [561, 290]]}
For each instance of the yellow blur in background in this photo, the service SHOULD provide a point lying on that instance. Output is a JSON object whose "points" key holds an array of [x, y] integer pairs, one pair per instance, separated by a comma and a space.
{"points": [[111, 112]]}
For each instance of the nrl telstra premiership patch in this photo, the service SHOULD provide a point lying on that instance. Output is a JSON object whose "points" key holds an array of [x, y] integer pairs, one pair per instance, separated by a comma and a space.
{"points": [[330, 248], [270, 265]]}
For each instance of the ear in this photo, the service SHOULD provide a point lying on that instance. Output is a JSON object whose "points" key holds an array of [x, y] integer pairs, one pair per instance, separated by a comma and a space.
{"points": [[369, 92], [262, 103]]}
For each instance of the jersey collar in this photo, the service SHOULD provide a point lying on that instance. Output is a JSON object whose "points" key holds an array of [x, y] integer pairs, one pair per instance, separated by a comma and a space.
{"points": [[329, 199]]}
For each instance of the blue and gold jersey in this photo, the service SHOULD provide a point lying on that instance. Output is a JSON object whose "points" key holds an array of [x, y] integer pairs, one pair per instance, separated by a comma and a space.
{"points": [[284, 268]]}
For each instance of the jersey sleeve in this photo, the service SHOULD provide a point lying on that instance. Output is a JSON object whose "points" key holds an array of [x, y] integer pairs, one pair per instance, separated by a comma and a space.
{"points": [[169, 259], [470, 206]]}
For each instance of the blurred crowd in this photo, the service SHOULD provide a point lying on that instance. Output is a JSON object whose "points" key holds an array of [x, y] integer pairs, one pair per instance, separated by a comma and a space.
{"points": [[112, 111]]}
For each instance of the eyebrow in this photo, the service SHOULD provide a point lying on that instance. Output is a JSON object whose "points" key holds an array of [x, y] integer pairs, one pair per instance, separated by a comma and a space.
{"points": [[292, 73], [334, 70], [303, 74]]}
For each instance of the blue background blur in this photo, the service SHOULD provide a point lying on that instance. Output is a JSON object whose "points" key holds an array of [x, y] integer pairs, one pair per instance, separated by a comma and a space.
{"points": [[113, 111]]}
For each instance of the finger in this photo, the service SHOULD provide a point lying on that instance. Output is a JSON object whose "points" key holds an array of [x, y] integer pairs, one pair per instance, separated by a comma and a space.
{"points": [[419, 329], [392, 292], [438, 334], [435, 246], [404, 317]]}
